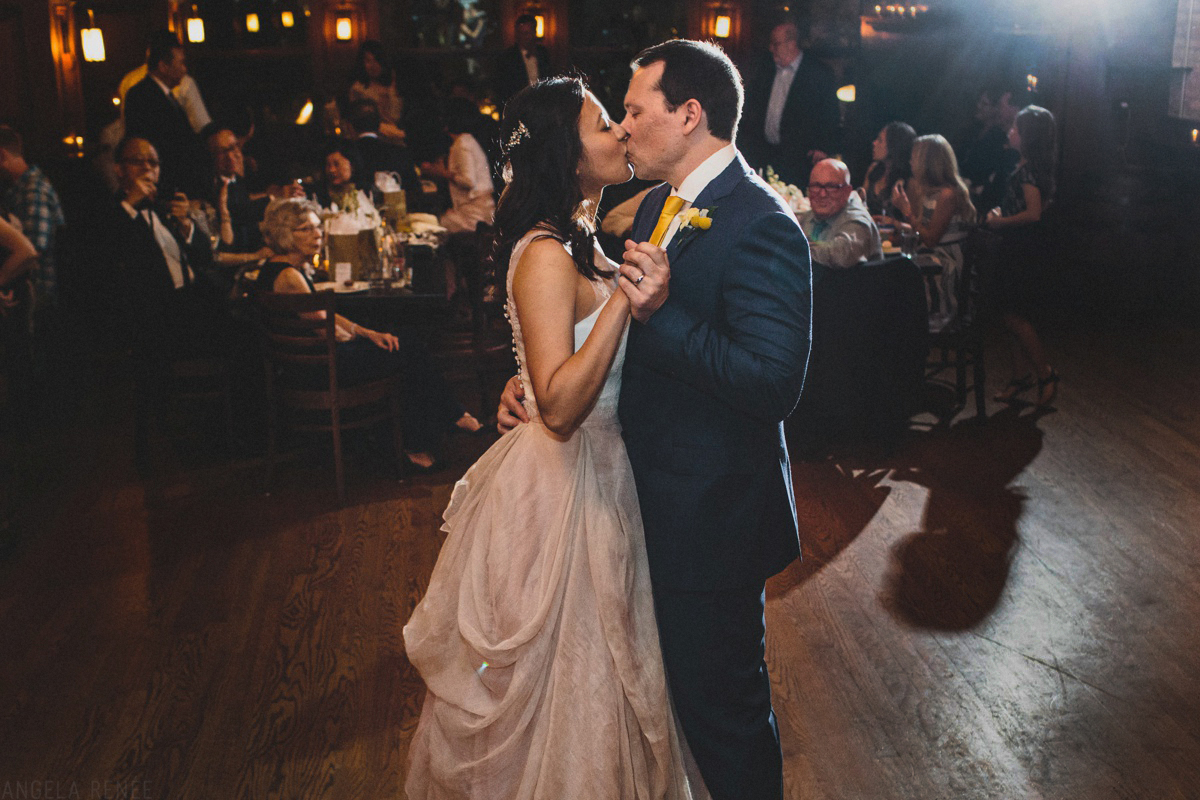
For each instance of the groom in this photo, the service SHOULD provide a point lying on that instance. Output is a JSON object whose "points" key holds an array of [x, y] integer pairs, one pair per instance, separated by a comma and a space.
{"points": [[715, 361]]}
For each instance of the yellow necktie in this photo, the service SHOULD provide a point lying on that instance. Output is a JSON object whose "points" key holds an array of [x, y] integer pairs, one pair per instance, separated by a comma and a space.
{"points": [[670, 209]]}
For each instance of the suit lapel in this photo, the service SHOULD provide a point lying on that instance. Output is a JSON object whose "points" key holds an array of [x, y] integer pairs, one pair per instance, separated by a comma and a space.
{"points": [[710, 196]]}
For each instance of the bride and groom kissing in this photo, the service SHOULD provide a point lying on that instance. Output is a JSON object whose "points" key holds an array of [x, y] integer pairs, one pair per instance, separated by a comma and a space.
{"points": [[594, 625]]}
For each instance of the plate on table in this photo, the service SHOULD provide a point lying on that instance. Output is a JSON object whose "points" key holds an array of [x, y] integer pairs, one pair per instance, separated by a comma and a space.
{"points": [[341, 288]]}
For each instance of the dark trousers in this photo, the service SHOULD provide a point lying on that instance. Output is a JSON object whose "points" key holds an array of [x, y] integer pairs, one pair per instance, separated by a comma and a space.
{"points": [[714, 647], [429, 407]]}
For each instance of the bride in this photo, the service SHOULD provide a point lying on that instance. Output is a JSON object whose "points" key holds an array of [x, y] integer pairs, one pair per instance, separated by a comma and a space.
{"points": [[536, 638]]}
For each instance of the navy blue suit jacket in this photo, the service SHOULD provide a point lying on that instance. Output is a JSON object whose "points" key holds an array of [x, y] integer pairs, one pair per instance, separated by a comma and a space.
{"points": [[707, 383]]}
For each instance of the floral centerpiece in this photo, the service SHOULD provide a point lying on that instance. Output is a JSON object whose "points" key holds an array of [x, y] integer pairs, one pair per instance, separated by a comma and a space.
{"points": [[790, 193]]}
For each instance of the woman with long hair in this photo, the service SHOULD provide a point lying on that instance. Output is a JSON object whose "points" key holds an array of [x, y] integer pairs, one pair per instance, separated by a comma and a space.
{"points": [[940, 211], [537, 637], [890, 153], [1017, 284], [374, 79]]}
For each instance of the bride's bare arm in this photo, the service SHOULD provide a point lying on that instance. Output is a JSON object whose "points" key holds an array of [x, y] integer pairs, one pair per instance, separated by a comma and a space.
{"points": [[565, 382]]}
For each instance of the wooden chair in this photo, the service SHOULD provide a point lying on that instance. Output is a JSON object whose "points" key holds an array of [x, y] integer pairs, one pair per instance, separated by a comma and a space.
{"points": [[293, 343], [482, 351], [960, 345]]}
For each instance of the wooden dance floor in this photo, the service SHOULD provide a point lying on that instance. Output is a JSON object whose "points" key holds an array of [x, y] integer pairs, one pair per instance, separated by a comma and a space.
{"points": [[997, 611]]}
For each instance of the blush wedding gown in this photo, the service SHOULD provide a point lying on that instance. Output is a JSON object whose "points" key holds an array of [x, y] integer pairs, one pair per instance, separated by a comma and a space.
{"points": [[536, 638]]}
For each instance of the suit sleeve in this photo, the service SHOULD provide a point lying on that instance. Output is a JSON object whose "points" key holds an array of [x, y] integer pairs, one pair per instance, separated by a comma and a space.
{"points": [[756, 357], [826, 113], [137, 114]]}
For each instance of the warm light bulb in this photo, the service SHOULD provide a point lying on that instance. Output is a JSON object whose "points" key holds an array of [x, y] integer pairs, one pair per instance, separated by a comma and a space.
{"points": [[847, 93], [305, 113], [721, 29], [195, 30], [344, 29], [252, 23], [116, 101], [1031, 81], [539, 25], [92, 40], [287, 19], [1195, 135]]}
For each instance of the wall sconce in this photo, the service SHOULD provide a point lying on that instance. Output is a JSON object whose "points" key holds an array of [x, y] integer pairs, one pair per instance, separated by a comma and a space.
{"points": [[722, 26], [287, 19], [344, 28], [252, 23], [847, 93], [539, 25], [1031, 82], [92, 40], [1195, 135], [195, 27]]}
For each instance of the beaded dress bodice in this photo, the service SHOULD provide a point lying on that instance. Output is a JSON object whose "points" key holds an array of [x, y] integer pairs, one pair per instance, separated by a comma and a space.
{"points": [[605, 410]]}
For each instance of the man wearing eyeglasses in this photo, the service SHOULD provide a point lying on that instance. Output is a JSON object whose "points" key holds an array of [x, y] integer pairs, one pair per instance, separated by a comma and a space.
{"points": [[162, 267], [839, 228]]}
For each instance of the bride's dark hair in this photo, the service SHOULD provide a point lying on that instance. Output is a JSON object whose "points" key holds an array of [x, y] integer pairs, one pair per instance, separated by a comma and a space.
{"points": [[542, 151]]}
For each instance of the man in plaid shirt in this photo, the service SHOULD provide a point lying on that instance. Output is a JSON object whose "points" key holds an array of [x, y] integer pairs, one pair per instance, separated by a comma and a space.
{"points": [[31, 197]]}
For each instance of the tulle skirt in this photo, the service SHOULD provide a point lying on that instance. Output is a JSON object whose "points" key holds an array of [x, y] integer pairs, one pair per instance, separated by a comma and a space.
{"points": [[537, 639]]}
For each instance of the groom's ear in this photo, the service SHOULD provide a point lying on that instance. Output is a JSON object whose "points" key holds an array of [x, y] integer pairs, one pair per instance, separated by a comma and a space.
{"points": [[693, 117]]}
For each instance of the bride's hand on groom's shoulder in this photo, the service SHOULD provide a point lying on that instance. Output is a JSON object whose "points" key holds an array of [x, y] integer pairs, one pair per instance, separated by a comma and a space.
{"points": [[511, 412], [645, 278]]}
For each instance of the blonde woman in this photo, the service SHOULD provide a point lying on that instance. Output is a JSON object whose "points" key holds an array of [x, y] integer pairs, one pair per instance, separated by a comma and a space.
{"points": [[940, 211]]}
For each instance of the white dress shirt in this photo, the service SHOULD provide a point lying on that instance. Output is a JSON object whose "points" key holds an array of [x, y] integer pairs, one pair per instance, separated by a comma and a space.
{"points": [[695, 182], [779, 92], [531, 66]]}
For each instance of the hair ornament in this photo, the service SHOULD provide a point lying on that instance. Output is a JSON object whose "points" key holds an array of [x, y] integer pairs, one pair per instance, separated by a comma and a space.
{"points": [[519, 134]]}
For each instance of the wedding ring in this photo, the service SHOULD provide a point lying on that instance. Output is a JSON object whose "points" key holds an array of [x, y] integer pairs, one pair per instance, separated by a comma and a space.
{"points": [[638, 282]]}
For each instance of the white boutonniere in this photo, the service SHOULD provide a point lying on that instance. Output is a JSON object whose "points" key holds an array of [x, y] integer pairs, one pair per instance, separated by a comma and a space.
{"points": [[698, 218]]}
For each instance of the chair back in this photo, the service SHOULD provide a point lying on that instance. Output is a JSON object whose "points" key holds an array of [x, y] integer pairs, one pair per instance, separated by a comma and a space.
{"points": [[298, 330], [979, 250]]}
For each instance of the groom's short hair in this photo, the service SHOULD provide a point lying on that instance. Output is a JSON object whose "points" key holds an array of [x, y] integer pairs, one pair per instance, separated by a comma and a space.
{"points": [[700, 71]]}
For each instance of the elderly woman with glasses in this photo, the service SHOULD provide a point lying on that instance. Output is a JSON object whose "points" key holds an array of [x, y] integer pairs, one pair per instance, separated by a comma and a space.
{"points": [[292, 229]]}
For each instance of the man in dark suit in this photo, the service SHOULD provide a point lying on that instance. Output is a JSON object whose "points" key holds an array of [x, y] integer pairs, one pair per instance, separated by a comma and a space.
{"points": [[164, 270], [525, 63], [380, 155], [792, 116], [238, 213], [714, 363], [153, 113]]}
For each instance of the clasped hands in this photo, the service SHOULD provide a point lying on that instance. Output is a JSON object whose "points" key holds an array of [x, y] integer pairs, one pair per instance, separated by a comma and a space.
{"points": [[645, 277]]}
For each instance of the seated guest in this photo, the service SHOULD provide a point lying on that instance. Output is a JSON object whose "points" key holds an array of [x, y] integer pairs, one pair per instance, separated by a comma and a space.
{"points": [[237, 213], [29, 195], [374, 80], [341, 175], [472, 194], [381, 155], [165, 267], [292, 230], [940, 211], [890, 153], [840, 231]]}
